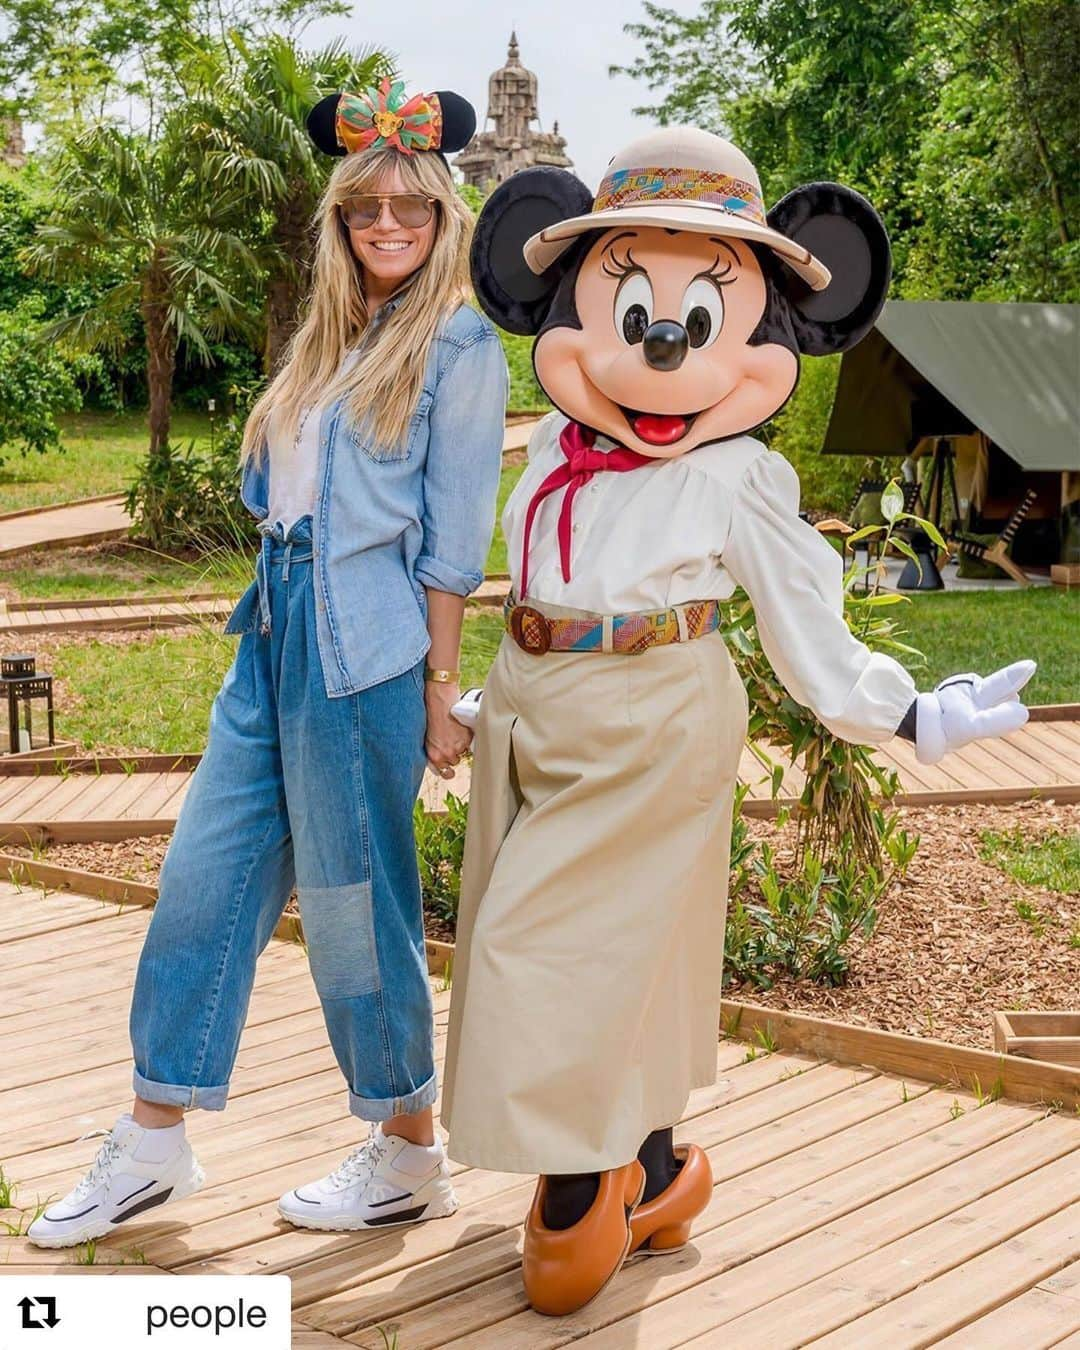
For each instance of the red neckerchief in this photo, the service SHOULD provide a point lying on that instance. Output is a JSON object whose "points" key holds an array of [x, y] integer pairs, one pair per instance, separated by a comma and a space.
{"points": [[582, 461]]}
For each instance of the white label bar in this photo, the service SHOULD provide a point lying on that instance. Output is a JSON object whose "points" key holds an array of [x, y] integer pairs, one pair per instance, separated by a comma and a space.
{"points": [[173, 1312]]}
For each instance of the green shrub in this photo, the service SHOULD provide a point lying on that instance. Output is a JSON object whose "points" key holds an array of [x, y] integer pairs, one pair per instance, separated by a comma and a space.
{"points": [[189, 498], [36, 382], [440, 847], [802, 924]]}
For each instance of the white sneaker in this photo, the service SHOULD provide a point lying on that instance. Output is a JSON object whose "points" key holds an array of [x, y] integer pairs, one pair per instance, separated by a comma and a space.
{"points": [[128, 1178], [385, 1181]]}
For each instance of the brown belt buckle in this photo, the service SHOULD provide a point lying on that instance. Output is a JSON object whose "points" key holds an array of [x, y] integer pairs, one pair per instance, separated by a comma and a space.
{"points": [[530, 630]]}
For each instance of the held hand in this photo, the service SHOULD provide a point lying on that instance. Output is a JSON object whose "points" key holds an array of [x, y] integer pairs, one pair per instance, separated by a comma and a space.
{"points": [[445, 740], [966, 708]]}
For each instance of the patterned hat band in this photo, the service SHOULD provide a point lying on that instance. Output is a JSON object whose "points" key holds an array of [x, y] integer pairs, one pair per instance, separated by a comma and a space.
{"points": [[645, 187], [384, 116]]}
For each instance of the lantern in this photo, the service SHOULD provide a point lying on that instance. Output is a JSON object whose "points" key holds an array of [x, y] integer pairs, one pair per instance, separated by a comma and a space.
{"points": [[21, 684]]}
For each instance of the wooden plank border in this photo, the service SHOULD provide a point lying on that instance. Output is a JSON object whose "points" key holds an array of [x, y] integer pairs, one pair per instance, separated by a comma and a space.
{"points": [[143, 895], [61, 506], [19, 766], [126, 601], [979, 1071]]}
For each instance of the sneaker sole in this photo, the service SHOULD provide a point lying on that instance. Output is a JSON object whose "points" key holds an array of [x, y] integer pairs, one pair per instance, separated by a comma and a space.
{"points": [[103, 1227], [346, 1224]]}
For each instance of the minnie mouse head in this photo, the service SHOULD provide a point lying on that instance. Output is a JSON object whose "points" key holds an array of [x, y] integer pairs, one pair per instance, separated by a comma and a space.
{"points": [[671, 309]]}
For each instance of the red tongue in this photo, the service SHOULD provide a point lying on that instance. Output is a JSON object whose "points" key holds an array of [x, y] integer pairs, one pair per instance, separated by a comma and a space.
{"points": [[659, 428]]}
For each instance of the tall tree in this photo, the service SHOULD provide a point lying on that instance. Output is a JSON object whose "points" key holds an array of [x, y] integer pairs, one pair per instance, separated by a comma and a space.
{"points": [[146, 214], [247, 121], [957, 117]]}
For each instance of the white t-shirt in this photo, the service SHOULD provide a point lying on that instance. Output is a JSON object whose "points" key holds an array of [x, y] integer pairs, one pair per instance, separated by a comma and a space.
{"points": [[693, 528], [295, 463]]}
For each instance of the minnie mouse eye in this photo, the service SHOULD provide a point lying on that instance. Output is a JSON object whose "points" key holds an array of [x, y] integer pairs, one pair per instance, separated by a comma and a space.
{"points": [[702, 312], [633, 307]]}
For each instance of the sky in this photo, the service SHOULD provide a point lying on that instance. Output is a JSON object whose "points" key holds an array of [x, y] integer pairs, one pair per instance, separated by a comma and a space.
{"points": [[567, 44]]}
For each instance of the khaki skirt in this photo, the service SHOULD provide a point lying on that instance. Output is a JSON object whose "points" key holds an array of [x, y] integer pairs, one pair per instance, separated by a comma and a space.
{"points": [[590, 939]]}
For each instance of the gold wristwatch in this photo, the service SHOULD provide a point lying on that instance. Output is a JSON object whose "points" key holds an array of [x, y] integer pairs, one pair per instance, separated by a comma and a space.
{"points": [[442, 676]]}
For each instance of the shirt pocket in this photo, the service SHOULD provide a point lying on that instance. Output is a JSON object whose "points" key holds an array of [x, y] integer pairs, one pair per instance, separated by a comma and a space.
{"points": [[361, 436]]}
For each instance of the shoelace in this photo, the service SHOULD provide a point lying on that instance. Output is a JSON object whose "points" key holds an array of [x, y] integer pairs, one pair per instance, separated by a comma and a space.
{"points": [[361, 1163], [107, 1155]]}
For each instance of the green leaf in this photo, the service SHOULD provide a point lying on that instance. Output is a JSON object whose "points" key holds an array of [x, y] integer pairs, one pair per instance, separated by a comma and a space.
{"points": [[892, 501]]}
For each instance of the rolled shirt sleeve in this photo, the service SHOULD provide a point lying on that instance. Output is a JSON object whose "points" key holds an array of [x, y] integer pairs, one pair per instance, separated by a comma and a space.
{"points": [[794, 579], [464, 461]]}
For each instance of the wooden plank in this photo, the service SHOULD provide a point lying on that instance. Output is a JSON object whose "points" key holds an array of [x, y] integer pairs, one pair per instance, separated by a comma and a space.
{"points": [[937, 1305], [1054, 712], [99, 886], [1051, 749], [257, 1244], [739, 1142], [750, 1248], [1035, 1319], [1018, 763], [938, 1278], [913, 1056]]}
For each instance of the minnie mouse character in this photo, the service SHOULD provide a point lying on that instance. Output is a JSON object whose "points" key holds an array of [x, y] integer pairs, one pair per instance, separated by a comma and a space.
{"points": [[669, 315]]}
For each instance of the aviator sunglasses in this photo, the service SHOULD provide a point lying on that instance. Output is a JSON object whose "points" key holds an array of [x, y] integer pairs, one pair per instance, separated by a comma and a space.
{"points": [[410, 209]]}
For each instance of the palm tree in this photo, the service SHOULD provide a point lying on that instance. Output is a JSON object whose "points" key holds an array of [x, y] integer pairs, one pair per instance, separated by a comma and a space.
{"points": [[146, 215], [248, 123]]}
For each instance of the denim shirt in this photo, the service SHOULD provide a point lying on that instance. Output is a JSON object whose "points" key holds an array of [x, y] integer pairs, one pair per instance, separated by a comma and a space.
{"points": [[390, 520]]}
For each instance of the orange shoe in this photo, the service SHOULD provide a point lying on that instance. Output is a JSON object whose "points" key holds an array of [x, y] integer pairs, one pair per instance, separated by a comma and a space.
{"points": [[662, 1224], [565, 1268]]}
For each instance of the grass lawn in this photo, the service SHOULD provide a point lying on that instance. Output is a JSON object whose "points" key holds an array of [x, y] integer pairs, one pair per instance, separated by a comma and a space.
{"points": [[101, 452], [150, 695], [117, 569], [154, 694], [982, 630]]}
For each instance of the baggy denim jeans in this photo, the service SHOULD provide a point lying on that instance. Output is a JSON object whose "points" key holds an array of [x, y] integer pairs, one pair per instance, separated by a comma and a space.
{"points": [[294, 786]]}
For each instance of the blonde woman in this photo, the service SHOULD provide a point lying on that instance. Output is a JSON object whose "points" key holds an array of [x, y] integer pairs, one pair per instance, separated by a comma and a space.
{"points": [[372, 462]]}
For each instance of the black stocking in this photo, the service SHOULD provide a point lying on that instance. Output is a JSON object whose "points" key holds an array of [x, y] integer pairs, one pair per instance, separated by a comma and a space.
{"points": [[657, 1156], [569, 1198]]}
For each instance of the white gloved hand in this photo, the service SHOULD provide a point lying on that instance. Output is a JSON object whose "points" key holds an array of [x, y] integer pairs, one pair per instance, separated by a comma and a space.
{"points": [[467, 709], [967, 708]]}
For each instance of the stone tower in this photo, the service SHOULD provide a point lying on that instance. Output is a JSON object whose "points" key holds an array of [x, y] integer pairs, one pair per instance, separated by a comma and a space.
{"points": [[513, 142], [12, 148]]}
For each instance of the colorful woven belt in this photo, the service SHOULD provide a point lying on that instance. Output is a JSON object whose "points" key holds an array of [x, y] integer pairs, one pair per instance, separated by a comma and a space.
{"points": [[629, 633]]}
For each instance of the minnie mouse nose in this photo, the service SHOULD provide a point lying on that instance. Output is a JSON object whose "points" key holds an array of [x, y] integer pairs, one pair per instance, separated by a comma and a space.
{"points": [[665, 344]]}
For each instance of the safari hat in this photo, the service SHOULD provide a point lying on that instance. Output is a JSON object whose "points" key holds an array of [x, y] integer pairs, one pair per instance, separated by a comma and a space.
{"points": [[680, 178]]}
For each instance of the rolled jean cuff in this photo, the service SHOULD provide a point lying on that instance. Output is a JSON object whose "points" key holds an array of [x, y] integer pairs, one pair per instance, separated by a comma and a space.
{"points": [[174, 1094], [385, 1108]]}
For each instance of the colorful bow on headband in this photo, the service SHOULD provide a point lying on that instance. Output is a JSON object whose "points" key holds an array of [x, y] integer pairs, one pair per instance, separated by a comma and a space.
{"points": [[383, 116]]}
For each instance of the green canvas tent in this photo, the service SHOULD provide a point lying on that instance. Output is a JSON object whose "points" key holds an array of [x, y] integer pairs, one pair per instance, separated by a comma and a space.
{"points": [[939, 368], [999, 383]]}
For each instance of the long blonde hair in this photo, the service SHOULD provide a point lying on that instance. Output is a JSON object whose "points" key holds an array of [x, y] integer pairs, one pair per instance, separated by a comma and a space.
{"points": [[386, 382]]}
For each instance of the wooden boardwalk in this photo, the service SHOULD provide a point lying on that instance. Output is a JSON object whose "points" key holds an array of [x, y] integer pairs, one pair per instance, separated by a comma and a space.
{"points": [[21, 617], [88, 521], [1042, 759], [851, 1207]]}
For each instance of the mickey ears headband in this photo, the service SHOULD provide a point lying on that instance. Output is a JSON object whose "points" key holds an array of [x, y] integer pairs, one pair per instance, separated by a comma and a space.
{"points": [[384, 116]]}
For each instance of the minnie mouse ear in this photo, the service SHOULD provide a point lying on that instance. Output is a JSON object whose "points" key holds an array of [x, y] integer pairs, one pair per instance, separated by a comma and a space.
{"points": [[459, 121], [322, 125]]}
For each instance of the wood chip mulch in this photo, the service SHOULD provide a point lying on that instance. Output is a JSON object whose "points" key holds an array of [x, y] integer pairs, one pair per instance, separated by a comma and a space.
{"points": [[950, 948], [949, 951]]}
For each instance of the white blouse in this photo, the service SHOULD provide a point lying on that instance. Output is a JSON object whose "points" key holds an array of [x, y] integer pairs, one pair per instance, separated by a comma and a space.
{"points": [[693, 528], [294, 463]]}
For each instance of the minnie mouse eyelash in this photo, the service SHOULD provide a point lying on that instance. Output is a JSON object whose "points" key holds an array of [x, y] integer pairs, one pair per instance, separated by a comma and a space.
{"points": [[718, 277], [620, 267]]}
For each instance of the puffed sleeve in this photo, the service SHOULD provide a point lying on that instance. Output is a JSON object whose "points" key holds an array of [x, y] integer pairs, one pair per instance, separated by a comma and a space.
{"points": [[461, 475], [794, 579]]}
